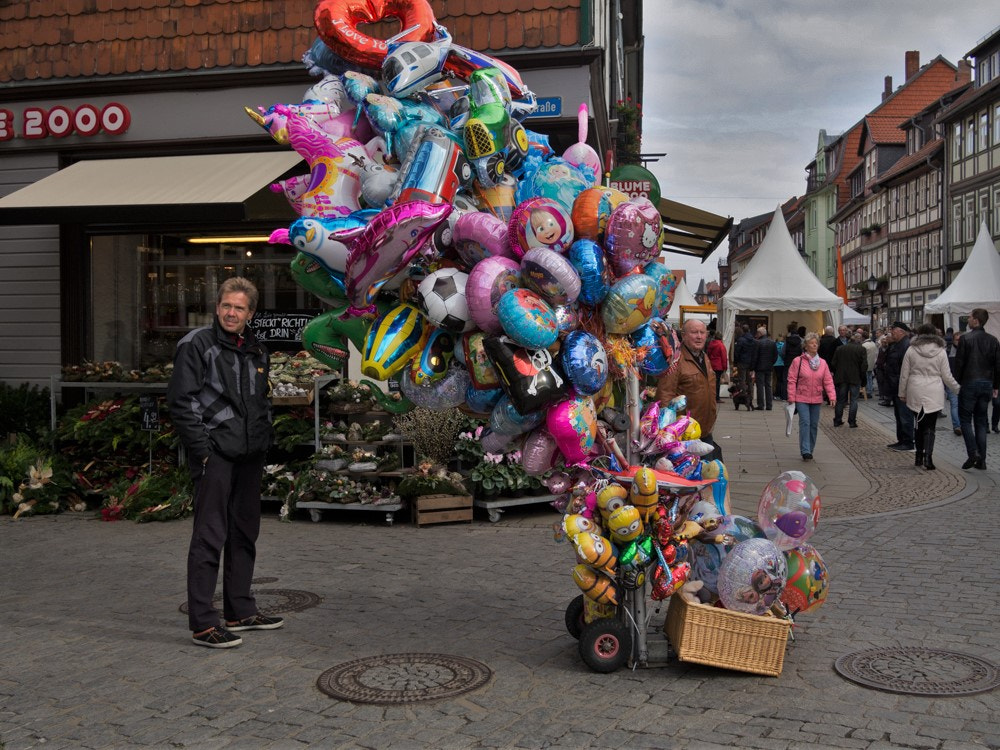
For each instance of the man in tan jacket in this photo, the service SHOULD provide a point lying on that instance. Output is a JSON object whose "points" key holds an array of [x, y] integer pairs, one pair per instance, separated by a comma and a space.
{"points": [[692, 376]]}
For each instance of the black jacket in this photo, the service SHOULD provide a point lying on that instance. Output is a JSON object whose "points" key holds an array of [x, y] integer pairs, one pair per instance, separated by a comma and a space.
{"points": [[978, 358], [894, 354], [745, 351], [850, 364], [827, 346], [767, 352], [218, 395], [793, 347]]}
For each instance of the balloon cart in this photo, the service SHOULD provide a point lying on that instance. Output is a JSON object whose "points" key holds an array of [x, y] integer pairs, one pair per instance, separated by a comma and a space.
{"points": [[465, 258], [732, 584]]}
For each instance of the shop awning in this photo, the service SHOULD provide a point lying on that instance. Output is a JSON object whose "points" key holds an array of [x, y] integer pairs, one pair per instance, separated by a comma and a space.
{"points": [[204, 187], [691, 231]]}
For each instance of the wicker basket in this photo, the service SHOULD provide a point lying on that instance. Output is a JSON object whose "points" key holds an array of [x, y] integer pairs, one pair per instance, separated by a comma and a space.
{"points": [[724, 638]]}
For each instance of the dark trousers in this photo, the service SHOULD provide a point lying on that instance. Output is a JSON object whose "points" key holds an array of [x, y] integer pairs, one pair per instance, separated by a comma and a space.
{"points": [[226, 524], [718, 382], [973, 405], [904, 421], [764, 394], [780, 382], [847, 393], [926, 424], [747, 382]]}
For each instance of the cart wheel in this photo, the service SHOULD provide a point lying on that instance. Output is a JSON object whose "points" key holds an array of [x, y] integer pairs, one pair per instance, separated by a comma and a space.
{"points": [[574, 617], [605, 645], [315, 515]]}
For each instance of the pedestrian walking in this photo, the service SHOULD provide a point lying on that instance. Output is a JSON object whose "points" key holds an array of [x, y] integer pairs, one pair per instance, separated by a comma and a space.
{"points": [[951, 350], [780, 385], [922, 380], [899, 342], [765, 354], [793, 348], [850, 363], [745, 356], [809, 380], [719, 359], [219, 406], [871, 350], [977, 369]]}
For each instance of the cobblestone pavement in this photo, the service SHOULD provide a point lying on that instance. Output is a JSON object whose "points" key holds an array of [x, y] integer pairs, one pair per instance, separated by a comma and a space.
{"points": [[95, 654]]}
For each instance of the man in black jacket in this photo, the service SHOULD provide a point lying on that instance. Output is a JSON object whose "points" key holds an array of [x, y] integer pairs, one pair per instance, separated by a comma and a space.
{"points": [[828, 344], [745, 357], [850, 363], [899, 336], [220, 409], [766, 353], [977, 369]]}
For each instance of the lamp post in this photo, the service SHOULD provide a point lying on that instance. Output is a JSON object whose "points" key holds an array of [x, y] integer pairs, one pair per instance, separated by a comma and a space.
{"points": [[872, 286]]}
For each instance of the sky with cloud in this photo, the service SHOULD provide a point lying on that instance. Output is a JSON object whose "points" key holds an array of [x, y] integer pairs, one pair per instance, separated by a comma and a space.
{"points": [[736, 91]]}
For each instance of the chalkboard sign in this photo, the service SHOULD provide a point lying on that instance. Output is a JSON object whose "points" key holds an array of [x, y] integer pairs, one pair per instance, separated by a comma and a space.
{"points": [[150, 413], [281, 331]]}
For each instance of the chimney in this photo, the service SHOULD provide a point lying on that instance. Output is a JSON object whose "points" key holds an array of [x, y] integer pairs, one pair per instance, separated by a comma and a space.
{"points": [[964, 72], [912, 63], [887, 91]]}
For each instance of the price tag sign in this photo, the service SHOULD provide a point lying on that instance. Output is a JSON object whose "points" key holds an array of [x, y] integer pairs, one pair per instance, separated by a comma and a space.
{"points": [[150, 413]]}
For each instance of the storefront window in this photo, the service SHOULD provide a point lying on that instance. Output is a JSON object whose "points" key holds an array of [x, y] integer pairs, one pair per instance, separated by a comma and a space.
{"points": [[147, 291]]}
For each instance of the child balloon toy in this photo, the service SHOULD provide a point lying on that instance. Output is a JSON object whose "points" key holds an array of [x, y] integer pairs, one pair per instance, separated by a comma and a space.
{"points": [[788, 511]]}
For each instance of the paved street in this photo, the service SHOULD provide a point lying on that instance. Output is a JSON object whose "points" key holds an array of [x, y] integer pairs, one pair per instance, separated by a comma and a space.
{"points": [[95, 652]]}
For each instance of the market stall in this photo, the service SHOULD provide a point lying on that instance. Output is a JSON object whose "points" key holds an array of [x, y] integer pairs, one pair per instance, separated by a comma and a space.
{"points": [[778, 284]]}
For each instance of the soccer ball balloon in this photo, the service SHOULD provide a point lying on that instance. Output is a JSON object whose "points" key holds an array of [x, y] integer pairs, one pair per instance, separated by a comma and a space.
{"points": [[442, 297]]}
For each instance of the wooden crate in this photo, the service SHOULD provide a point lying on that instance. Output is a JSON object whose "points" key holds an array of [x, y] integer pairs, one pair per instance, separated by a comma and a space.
{"points": [[724, 638], [429, 509]]}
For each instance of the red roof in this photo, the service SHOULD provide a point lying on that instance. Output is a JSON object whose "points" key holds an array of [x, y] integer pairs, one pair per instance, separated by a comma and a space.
{"points": [[48, 39], [930, 83], [884, 131]]}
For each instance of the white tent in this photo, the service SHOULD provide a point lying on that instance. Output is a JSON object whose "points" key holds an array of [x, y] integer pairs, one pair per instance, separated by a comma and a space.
{"points": [[977, 285], [682, 296], [853, 318], [777, 280]]}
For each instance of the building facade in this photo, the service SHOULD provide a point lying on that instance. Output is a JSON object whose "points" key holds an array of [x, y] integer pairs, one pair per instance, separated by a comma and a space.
{"points": [[971, 134], [870, 245]]}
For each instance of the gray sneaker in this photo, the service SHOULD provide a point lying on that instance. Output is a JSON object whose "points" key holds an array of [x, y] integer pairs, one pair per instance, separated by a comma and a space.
{"points": [[256, 622], [217, 638]]}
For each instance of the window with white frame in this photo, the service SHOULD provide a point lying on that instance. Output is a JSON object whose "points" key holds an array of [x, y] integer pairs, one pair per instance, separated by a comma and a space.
{"points": [[956, 149], [970, 136], [996, 124], [984, 130], [970, 218]]}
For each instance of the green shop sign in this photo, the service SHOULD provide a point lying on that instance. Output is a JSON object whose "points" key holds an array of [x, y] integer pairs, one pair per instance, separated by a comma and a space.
{"points": [[636, 181]]}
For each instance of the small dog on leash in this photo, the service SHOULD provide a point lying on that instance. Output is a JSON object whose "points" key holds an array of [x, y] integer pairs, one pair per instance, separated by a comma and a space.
{"points": [[739, 394]]}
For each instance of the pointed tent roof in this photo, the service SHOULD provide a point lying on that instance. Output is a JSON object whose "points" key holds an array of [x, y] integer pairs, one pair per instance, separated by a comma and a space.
{"points": [[682, 296], [777, 278], [977, 285]]}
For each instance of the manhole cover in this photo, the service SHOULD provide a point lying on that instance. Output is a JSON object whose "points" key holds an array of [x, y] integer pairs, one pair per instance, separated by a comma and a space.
{"points": [[274, 601], [395, 679], [919, 671]]}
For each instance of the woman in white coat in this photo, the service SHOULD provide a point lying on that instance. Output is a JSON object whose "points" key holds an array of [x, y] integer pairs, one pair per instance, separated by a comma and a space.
{"points": [[924, 374]]}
